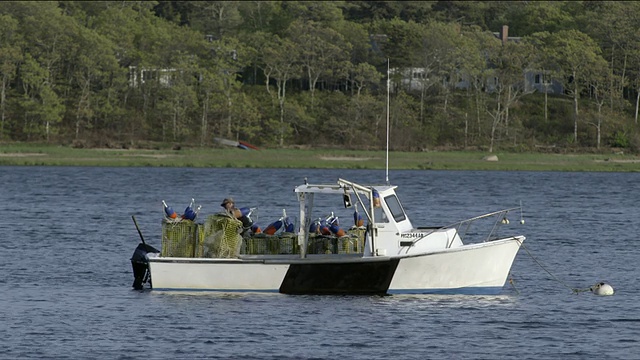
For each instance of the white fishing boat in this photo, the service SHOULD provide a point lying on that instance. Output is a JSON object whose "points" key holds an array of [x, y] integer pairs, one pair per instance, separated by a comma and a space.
{"points": [[381, 253]]}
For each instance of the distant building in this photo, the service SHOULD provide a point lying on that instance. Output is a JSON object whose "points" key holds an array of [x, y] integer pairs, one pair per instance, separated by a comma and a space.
{"points": [[166, 76], [504, 37], [538, 80], [542, 82], [415, 78], [139, 76]]}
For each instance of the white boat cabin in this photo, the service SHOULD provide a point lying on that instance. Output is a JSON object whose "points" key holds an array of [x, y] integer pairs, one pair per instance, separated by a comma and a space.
{"points": [[389, 231]]}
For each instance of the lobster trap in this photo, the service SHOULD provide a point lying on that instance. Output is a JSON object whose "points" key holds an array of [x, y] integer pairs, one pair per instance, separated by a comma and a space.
{"points": [[263, 244], [322, 244], [180, 238]]}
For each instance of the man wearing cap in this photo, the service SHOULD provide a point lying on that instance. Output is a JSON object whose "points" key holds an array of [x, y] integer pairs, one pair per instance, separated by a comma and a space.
{"points": [[226, 228], [229, 207]]}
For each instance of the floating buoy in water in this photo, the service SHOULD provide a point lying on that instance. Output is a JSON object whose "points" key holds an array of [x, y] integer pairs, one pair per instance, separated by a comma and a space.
{"points": [[602, 289]]}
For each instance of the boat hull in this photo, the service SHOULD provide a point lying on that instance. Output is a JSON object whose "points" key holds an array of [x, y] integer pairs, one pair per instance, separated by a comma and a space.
{"points": [[470, 269], [473, 269]]}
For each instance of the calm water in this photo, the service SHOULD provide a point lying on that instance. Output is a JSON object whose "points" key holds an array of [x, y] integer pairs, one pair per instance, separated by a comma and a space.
{"points": [[67, 236]]}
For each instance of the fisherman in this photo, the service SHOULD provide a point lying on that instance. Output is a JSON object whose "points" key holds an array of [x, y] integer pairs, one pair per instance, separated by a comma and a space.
{"points": [[229, 207], [243, 215], [225, 240]]}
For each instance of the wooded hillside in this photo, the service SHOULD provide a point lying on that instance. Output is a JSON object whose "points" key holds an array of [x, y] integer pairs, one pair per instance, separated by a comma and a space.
{"points": [[314, 73]]}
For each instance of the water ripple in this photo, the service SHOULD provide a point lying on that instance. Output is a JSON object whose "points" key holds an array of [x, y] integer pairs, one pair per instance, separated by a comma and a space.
{"points": [[66, 291]]}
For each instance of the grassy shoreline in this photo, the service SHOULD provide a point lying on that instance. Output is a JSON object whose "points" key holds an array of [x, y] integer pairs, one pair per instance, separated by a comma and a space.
{"points": [[52, 155]]}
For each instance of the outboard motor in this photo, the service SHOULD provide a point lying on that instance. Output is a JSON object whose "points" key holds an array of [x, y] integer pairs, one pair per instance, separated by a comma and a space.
{"points": [[140, 265]]}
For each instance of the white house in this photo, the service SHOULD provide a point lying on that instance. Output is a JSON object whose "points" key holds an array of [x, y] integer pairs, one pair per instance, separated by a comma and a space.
{"points": [[139, 76]]}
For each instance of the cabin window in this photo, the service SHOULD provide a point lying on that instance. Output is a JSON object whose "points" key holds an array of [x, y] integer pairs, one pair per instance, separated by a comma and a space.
{"points": [[542, 79], [396, 209], [380, 215], [418, 75]]}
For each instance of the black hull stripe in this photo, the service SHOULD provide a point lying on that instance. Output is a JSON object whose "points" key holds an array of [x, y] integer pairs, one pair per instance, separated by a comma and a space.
{"points": [[354, 278]]}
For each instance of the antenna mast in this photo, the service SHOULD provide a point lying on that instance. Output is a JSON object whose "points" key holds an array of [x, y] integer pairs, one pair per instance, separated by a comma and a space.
{"points": [[387, 155]]}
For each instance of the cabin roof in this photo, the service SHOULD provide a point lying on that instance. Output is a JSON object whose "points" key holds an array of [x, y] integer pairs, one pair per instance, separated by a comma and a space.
{"points": [[337, 189]]}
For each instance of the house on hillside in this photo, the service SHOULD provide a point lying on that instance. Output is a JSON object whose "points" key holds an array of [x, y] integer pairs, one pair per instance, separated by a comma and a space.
{"points": [[538, 80], [415, 78], [139, 76], [166, 77], [542, 82]]}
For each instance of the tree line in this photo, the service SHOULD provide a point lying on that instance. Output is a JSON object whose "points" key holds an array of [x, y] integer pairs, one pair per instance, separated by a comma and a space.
{"points": [[314, 73]]}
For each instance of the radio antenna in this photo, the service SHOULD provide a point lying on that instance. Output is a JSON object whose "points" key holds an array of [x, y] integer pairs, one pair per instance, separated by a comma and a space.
{"points": [[387, 154]]}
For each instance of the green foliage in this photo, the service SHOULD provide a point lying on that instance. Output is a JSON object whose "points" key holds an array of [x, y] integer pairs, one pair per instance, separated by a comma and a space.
{"points": [[536, 16], [287, 73], [403, 38], [247, 114], [620, 139]]}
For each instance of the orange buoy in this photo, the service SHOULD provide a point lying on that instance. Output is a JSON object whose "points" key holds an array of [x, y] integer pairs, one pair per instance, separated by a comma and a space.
{"points": [[273, 227], [168, 210], [376, 198]]}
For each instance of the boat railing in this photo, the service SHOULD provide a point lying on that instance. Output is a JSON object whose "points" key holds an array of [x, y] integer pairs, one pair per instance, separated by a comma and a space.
{"points": [[483, 227]]}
